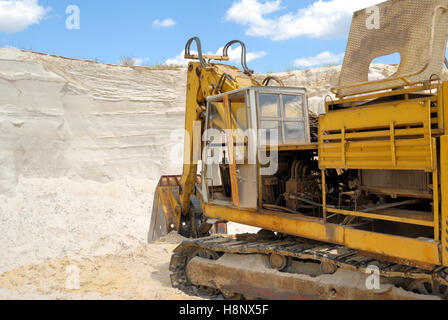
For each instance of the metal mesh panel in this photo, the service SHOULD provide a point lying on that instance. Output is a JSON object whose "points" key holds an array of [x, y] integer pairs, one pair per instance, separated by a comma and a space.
{"points": [[417, 30]]}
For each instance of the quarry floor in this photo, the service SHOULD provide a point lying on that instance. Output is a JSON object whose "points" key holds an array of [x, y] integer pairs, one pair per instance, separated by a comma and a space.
{"points": [[140, 273]]}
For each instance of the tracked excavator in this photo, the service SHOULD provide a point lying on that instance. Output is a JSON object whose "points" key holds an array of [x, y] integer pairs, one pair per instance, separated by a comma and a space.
{"points": [[352, 206]]}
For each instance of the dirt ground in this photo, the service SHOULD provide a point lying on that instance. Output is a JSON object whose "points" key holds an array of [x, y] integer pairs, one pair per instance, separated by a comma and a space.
{"points": [[140, 273]]}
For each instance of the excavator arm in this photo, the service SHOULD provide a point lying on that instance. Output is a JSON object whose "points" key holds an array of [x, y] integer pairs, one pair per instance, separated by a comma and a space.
{"points": [[176, 206]]}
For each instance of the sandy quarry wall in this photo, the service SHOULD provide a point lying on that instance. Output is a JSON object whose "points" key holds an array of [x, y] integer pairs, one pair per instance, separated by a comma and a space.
{"points": [[83, 120], [318, 82], [82, 146]]}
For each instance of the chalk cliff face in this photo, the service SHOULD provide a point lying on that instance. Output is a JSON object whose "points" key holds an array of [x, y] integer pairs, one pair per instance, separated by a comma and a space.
{"points": [[84, 120], [82, 146]]}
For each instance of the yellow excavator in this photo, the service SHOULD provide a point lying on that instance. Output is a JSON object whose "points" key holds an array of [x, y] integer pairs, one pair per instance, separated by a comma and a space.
{"points": [[352, 207]]}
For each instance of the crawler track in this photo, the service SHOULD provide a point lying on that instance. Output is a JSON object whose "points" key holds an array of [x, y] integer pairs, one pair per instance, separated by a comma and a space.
{"points": [[431, 283]]}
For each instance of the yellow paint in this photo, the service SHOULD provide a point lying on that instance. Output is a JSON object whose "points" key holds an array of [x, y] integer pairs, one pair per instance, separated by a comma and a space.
{"points": [[443, 94], [435, 179], [377, 137], [383, 217], [354, 101], [311, 228], [293, 147], [202, 83], [444, 192], [393, 135], [170, 206], [231, 151], [393, 246]]}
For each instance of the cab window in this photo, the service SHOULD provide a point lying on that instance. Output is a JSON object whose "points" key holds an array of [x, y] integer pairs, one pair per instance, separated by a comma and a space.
{"points": [[282, 116]]}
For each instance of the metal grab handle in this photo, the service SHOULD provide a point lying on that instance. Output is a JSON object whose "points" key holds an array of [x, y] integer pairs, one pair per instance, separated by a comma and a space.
{"points": [[188, 54], [243, 55], [200, 56], [268, 79]]}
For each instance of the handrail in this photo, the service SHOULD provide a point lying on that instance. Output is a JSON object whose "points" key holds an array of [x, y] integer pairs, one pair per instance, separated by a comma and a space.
{"points": [[269, 78], [199, 56], [243, 55], [225, 56]]}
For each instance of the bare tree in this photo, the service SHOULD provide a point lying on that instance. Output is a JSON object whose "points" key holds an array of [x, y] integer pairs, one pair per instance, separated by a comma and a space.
{"points": [[127, 62]]}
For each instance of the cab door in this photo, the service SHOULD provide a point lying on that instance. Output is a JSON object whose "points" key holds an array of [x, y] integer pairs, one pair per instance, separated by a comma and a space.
{"points": [[242, 146], [230, 161]]}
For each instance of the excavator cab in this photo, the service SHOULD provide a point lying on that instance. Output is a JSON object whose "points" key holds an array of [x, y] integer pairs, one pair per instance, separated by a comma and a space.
{"points": [[235, 125], [245, 128]]}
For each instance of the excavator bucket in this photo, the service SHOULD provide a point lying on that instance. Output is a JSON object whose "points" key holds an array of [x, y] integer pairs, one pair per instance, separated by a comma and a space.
{"points": [[165, 210], [167, 213]]}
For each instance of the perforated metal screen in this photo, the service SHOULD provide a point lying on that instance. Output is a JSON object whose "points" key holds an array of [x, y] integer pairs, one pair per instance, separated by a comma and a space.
{"points": [[416, 29]]}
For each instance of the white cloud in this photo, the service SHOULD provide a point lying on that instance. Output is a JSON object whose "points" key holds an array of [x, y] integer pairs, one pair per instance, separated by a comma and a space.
{"points": [[17, 15], [166, 23], [234, 56], [131, 61], [319, 60], [140, 61], [322, 19], [179, 59]]}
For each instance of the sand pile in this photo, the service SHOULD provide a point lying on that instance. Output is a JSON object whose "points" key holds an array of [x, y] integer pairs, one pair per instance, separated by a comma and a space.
{"points": [[140, 273], [82, 146]]}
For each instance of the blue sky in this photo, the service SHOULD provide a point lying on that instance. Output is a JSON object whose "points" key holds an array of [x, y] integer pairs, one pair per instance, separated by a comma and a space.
{"points": [[279, 34]]}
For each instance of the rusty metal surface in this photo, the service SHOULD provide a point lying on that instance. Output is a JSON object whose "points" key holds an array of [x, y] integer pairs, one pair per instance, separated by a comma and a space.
{"points": [[164, 215], [405, 26], [174, 181], [186, 276], [391, 179], [164, 218], [258, 281], [166, 210]]}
